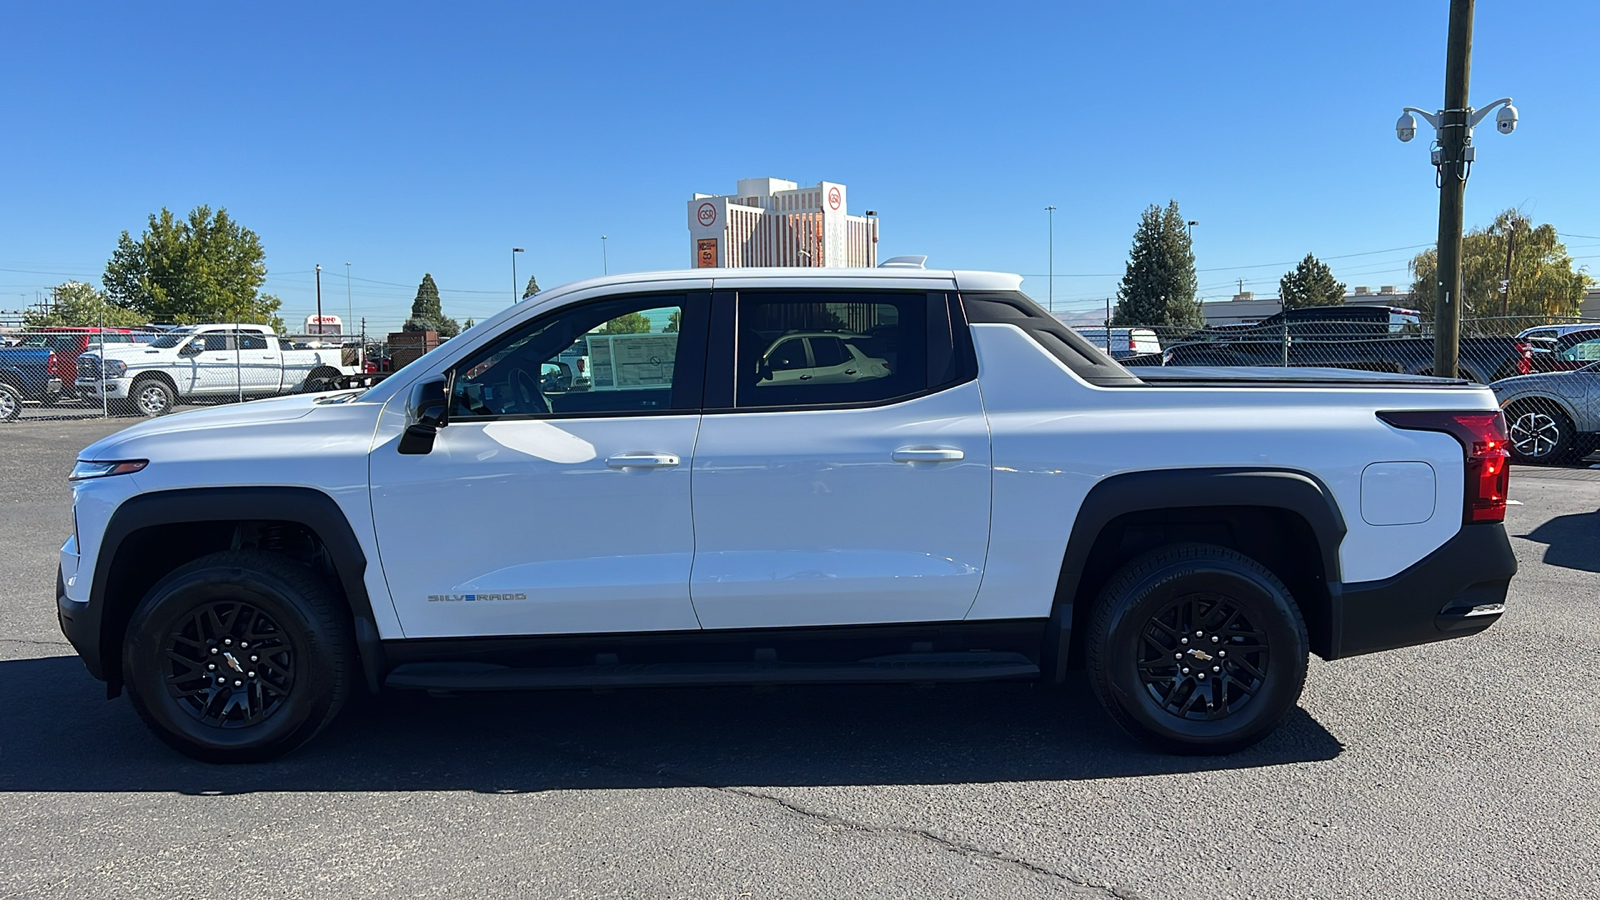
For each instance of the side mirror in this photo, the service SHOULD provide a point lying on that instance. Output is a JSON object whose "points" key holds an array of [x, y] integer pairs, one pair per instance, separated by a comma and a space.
{"points": [[764, 372], [190, 349], [432, 413]]}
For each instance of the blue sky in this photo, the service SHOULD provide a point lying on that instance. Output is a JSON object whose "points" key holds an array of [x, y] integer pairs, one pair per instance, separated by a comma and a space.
{"points": [[406, 138]]}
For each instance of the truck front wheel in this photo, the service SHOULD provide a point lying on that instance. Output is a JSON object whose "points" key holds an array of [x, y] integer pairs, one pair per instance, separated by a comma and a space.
{"points": [[240, 656], [10, 402], [1197, 649], [152, 397]]}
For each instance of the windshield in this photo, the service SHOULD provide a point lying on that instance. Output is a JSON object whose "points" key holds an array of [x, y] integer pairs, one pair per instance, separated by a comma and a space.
{"points": [[170, 339]]}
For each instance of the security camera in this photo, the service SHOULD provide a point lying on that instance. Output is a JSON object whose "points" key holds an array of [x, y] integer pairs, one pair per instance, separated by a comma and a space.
{"points": [[1406, 128], [1505, 121]]}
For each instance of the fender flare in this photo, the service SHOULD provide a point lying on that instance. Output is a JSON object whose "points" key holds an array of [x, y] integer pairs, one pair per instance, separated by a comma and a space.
{"points": [[1287, 489], [307, 507]]}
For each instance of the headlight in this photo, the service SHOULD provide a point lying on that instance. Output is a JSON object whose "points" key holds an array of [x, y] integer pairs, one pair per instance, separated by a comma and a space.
{"points": [[97, 469], [115, 368]]}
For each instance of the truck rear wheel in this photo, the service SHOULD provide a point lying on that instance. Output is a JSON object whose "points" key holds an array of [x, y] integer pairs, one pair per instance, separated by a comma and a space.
{"points": [[240, 656], [319, 380], [1197, 649]]}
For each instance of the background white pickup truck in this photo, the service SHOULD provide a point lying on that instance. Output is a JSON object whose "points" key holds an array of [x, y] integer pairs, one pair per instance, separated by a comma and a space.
{"points": [[220, 360], [991, 498]]}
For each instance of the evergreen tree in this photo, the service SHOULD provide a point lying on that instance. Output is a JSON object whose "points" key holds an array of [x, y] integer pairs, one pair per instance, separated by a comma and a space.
{"points": [[1311, 283], [1544, 282], [1158, 287], [426, 312], [531, 289], [467, 324]]}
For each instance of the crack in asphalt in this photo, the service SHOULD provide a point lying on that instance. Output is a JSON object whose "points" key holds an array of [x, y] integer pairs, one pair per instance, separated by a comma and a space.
{"points": [[961, 848]]}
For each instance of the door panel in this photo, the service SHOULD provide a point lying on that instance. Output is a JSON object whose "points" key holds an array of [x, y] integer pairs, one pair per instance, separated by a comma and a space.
{"points": [[806, 518], [522, 527]]}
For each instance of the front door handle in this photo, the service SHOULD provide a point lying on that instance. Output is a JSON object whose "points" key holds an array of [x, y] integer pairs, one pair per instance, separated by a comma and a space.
{"points": [[928, 454], [642, 461]]}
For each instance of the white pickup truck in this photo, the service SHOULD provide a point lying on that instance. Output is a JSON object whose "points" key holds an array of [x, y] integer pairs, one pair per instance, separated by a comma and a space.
{"points": [[223, 360], [994, 498]]}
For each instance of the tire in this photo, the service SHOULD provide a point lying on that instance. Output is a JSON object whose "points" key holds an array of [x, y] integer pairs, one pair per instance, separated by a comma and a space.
{"points": [[1540, 433], [152, 397], [318, 380], [1153, 633], [10, 402], [267, 704]]}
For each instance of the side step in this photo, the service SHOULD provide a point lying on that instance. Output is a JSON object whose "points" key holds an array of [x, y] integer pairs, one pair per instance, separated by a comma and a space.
{"points": [[897, 668]]}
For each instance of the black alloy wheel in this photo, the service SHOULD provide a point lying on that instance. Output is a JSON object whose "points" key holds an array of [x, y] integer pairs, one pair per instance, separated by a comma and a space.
{"points": [[1200, 657], [230, 665], [240, 656], [1196, 649]]}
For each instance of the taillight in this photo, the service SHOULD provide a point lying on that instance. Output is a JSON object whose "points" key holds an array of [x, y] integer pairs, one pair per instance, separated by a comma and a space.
{"points": [[580, 365], [1488, 464]]}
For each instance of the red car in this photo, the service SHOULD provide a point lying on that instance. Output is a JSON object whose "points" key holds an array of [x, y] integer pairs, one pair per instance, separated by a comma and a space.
{"points": [[67, 343], [1570, 351]]}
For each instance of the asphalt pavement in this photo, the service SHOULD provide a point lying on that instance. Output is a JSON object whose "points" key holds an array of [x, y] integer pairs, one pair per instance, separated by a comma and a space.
{"points": [[1468, 768]]}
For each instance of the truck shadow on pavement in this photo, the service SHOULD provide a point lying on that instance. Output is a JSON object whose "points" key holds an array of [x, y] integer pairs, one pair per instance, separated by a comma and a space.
{"points": [[1570, 541], [60, 735]]}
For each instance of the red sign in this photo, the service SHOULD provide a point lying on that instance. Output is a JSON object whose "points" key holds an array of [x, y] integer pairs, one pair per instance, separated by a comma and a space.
{"points": [[833, 198], [707, 215], [706, 253]]}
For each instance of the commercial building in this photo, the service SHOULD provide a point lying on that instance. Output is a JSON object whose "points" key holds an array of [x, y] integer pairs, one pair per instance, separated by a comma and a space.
{"points": [[772, 222]]}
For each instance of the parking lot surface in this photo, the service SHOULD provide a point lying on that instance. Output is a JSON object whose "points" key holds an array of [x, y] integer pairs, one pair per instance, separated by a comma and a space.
{"points": [[1464, 768]]}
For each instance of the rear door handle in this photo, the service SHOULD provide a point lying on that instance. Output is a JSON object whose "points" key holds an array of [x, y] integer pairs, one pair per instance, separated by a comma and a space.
{"points": [[927, 454], [642, 461]]}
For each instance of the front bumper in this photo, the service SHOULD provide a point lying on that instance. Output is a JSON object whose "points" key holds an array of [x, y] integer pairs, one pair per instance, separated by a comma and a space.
{"points": [[1455, 591], [82, 629], [109, 388]]}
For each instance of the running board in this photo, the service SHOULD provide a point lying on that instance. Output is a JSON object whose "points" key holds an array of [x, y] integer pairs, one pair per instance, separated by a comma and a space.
{"points": [[899, 668]]}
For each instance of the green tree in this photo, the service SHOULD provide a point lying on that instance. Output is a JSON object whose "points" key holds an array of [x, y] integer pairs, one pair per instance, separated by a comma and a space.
{"points": [[674, 321], [467, 324], [1544, 283], [1311, 283], [77, 305], [1158, 287], [205, 268], [426, 312], [531, 289], [627, 323]]}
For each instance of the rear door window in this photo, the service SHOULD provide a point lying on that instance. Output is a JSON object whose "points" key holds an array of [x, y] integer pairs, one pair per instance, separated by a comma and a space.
{"points": [[865, 347]]}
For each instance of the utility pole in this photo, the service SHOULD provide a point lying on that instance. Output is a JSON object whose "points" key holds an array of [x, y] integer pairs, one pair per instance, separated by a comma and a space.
{"points": [[1453, 165], [515, 297], [1051, 210], [605, 263], [319, 298], [1505, 299]]}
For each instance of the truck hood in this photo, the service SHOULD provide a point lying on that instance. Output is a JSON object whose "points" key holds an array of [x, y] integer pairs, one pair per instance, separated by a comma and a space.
{"points": [[128, 352], [230, 416]]}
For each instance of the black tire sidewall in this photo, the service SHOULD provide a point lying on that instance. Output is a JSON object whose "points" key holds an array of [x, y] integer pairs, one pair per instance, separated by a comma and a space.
{"points": [[170, 603], [1265, 604]]}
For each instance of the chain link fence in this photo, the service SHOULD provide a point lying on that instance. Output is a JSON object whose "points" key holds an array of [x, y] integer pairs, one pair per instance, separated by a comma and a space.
{"points": [[1375, 339], [67, 373]]}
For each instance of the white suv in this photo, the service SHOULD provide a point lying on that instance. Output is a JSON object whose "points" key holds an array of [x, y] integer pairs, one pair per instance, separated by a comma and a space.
{"points": [[988, 497]]}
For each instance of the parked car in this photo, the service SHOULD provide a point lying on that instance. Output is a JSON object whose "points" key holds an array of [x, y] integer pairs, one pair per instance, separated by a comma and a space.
{"points": [[1543, 333], [1552, 417], [198, 361], [1006, 503], [1121, 343], [26, 374], [69, 343], [1571, 350], [1370, 338], [821, 357]]}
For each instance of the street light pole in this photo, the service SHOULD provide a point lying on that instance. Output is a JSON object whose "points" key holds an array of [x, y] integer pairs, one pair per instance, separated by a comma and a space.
{"points": [[350, 320], [1051, 290], [1453, 155], [605, 264], [514, 296], [872, 238]]}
